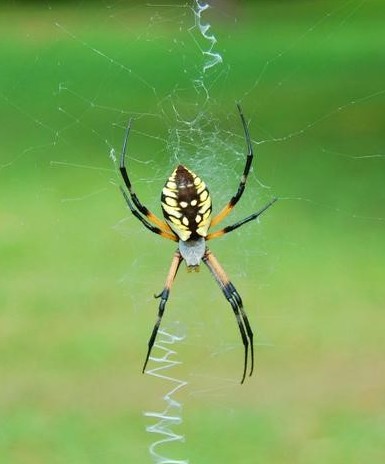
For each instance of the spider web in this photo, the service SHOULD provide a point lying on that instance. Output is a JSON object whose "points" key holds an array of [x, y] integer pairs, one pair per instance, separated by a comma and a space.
{"points": [[191, 118]]}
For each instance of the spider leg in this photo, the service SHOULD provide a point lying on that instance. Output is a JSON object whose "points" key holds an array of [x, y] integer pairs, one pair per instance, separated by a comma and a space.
{"points": [[235, 301], [234, 200], [123, 171], [163, 295], [148, 225], [240, 223]]}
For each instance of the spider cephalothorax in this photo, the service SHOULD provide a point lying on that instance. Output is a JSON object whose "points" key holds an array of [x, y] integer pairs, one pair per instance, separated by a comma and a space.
{"points": [[187, 209]]}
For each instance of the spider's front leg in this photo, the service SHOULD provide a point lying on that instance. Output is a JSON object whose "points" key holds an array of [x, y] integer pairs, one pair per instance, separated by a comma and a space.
{"points": [[163, 295], [235, 301]]}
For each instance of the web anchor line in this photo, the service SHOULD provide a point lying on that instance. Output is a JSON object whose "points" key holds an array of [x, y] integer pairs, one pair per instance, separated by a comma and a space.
{"points": [[171, 416]]}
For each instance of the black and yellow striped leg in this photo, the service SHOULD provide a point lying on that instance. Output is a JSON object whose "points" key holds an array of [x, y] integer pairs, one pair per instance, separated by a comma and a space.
{"points": [[252, 217], [238, 299], [163, 295], [123, 171], [235, 301], [234, 200], [156, 230]]}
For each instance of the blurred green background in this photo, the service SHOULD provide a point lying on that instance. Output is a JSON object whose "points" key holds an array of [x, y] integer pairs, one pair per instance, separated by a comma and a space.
{"points": [[78, 272]]}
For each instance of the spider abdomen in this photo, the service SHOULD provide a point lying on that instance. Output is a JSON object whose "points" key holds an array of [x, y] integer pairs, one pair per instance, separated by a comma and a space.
{"points": [[186, 204]]}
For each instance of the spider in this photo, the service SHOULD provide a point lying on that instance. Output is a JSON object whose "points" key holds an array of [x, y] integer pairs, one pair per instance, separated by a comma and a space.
{"points": [[187, 209]]}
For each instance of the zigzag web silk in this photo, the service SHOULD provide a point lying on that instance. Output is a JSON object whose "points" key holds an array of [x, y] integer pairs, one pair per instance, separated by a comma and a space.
{"points": [[171, 415]]}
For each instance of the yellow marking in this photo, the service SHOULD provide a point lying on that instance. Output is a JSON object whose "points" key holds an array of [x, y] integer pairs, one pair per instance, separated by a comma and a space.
{"points": [[169, 193], [185, 221], [193, 202], [203, 195], [171, 185], [171, 201], [171, 211], [198, 218], [177, 222], [204, 227], [205, 205], [206, 215], [183, 204], [197, 181], [202, 231], [183, 235], [182, 232], [201, 188]]}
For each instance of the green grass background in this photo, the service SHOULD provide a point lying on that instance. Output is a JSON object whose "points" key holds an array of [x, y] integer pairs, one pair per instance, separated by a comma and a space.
{"points": [[76, 281]]}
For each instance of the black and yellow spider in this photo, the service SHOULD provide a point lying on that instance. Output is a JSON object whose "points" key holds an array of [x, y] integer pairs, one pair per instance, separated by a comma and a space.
{"points": [[186, 205]]}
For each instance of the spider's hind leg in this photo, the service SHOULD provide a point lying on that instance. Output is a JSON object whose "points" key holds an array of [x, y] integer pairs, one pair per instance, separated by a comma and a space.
{"points": [[235, 301], [163, 295]]}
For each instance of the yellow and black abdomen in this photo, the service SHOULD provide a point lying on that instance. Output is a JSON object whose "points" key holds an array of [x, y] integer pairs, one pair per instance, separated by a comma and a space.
{"points": [[186, 204]]}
